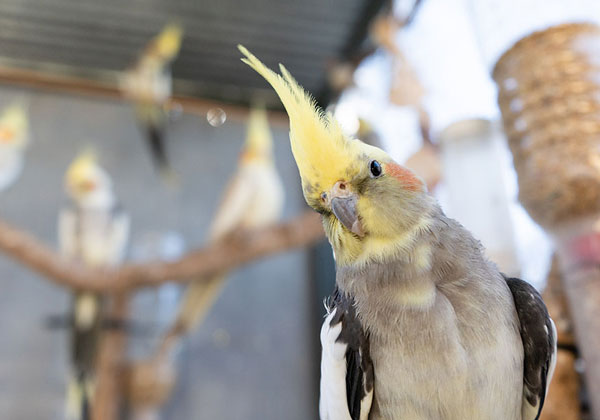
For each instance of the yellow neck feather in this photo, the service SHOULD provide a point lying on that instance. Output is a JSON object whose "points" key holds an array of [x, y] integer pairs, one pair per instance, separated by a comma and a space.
{"points": [[350, 250]]}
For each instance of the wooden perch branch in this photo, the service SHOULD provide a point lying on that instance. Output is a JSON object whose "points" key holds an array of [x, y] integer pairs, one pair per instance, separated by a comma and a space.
{"points": [[111, 355], [222, 255]]}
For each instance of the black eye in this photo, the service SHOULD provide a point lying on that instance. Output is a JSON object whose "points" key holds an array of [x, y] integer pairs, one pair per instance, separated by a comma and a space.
{"points": [[375, 168]]}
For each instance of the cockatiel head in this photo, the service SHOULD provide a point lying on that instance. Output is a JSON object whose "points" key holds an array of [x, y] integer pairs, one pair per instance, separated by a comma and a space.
{"points": [[87, 183], [165, 46], [259, 141], [14, 127], [372, 207]]}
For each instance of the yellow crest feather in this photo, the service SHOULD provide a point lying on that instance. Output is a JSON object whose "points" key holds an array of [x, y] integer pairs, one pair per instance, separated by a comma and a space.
{"points": [[167, 43], [259, 140], [81, 167], [320, 149], [14, 122]]}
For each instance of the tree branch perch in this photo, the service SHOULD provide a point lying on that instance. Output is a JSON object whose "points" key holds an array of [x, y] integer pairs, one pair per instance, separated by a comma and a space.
{"points": [[225, 254]]}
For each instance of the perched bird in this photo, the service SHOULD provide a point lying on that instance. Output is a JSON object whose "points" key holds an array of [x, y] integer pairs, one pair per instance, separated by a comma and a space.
{"points": [[14, 138], [367, 133], [422, 325], [93, 231], [253, 198], [148, 86]]}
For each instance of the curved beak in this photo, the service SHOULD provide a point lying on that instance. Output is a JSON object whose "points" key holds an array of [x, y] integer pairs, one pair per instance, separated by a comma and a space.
{"points": [[343, 206]]}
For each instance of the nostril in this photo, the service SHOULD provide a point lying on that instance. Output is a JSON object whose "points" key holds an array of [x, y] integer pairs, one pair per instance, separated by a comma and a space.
{"points": [[323, 196]]}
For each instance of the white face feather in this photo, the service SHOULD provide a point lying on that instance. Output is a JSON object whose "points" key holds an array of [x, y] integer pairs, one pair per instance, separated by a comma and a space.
{"points": [[88, 184]]}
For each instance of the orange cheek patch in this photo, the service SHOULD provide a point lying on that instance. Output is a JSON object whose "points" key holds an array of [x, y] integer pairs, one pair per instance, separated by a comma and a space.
{"points": [[87, 186], [6, 135], [405, 176]]}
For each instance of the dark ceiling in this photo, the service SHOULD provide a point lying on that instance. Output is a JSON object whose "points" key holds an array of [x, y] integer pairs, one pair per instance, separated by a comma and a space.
{"points": [[96, 38]]}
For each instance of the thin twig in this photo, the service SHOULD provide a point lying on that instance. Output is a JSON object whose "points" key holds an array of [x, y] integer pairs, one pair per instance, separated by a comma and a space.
{"points": [[226, 254]]}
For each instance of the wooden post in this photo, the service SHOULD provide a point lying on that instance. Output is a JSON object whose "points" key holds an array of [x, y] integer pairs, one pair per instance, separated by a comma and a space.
{"points": [[562, 401], [107, 400], [583, 293]]}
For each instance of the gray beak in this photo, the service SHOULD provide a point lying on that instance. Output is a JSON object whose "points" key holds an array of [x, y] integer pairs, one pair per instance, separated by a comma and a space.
{"points": [[344, 208]]}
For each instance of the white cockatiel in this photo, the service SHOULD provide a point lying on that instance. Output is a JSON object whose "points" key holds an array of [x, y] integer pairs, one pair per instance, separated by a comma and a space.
{"points": [[14, 138], [93, 231], [253, 198], [148, 84]]}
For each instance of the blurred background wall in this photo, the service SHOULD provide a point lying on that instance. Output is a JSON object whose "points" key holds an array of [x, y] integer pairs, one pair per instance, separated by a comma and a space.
{"points": [[253, 358], [412, 75]]}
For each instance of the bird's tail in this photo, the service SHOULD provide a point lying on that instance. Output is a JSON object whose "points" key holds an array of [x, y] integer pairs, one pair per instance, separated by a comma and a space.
{"points": [[80, 390], [156, 141], [197, 301], [153, 124]]}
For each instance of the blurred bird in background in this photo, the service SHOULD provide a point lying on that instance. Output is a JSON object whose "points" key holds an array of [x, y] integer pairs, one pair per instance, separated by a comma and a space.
{"points": [[148, 86], [93, 231], [14, 138], [253, 198], [367, 133], [421, 325]]}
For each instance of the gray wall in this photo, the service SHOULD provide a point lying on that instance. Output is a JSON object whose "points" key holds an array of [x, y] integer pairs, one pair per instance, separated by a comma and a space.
{"points": [[254, 356]]}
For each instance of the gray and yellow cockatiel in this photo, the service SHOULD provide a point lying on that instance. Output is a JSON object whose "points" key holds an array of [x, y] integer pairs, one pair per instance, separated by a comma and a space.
{"points": [[253, 199], [148, 86], [92, 231], [14, 138], [422, 326]]}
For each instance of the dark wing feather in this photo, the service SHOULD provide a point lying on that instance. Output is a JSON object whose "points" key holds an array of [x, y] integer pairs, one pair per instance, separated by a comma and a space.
{"points": [[359, 368], [539, 343]]}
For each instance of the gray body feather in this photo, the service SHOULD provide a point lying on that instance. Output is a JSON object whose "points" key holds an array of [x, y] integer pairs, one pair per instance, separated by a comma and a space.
{"points": [[443, 330]]}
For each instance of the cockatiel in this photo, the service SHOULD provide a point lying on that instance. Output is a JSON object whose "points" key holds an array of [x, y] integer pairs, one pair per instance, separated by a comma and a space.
{"points": [[421, 325], [367, 133], [14, 138], [253, 198], [148, 86], [93, 231]]}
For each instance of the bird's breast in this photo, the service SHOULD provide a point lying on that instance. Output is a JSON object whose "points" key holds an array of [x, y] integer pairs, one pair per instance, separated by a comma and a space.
{"points": [[440, 363]]}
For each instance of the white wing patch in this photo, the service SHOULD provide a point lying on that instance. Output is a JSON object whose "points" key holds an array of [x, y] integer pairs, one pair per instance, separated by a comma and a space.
{"points": [[554, 356], [333, 403], [528, 411], [365, 406], [538, 334]]}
